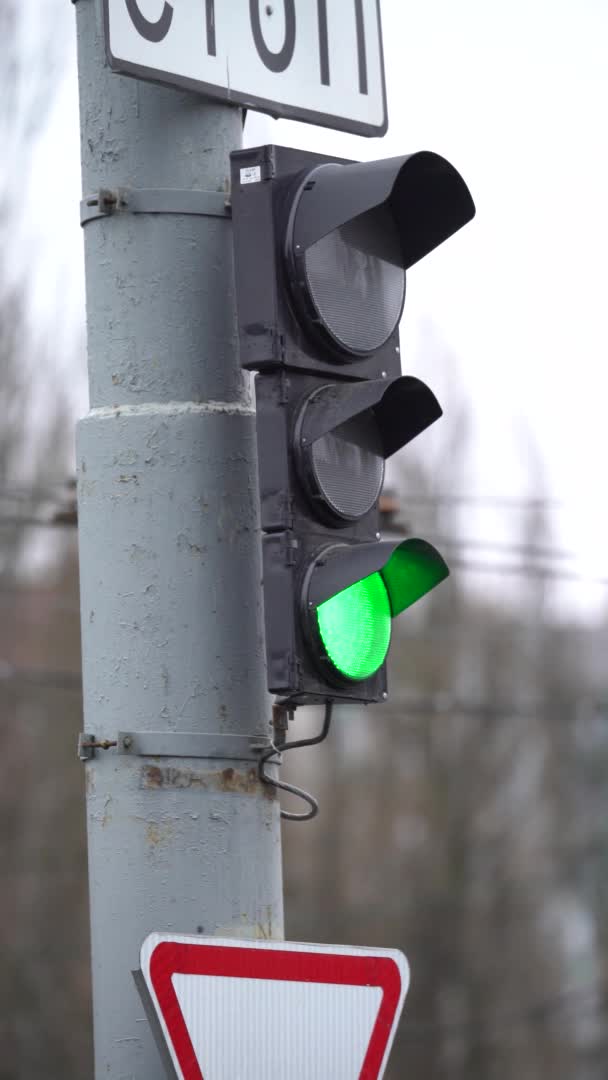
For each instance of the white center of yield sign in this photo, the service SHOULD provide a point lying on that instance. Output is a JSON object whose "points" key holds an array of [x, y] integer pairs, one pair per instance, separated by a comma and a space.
{"points": [[248, 1010], [324, 1035]]}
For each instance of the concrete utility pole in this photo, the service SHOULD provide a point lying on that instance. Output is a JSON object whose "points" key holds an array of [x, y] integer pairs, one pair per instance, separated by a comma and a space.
{"points": [[182, 836]]}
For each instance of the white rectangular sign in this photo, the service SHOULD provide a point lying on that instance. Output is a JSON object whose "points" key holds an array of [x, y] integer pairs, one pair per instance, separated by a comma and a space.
{"points": [[314, 60]]}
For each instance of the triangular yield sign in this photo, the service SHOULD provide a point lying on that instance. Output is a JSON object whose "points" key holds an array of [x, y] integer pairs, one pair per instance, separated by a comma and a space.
{"points": [[260, 1010]]}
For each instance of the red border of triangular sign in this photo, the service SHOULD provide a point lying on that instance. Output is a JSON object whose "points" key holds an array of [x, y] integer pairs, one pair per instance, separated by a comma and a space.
{"points": [[170, 958]]}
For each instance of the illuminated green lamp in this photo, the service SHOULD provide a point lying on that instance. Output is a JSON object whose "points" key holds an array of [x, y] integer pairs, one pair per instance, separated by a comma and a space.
{"points": [[355, 627], [354, 624]]}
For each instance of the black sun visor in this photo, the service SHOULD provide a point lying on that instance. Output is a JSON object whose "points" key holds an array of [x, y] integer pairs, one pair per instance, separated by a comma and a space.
{"points": [[426, 196], [402, 407]]}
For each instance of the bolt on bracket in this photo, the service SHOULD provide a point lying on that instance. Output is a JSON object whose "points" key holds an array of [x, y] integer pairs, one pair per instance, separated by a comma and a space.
{"points": [[88, 744]]}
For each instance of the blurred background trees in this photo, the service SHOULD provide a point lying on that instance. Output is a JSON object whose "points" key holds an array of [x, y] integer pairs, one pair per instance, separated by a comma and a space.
{"points": [[44, 980], [459, 821], [463, 821]]}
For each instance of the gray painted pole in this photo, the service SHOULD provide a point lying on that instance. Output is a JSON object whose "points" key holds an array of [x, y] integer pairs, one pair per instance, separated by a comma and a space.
{"points": [[172, 626]]}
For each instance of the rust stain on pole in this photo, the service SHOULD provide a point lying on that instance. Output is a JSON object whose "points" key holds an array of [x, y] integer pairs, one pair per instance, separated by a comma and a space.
{"points": [[239, 781]]}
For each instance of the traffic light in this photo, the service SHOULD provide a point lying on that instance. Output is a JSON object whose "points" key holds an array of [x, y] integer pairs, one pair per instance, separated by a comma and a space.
{"points": [[322, 247]]}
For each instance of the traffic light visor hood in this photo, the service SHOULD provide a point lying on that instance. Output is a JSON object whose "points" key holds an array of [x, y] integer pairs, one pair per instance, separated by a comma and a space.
{"points": [[402, 408], [345, 431], [409, 570], [427, 199]]}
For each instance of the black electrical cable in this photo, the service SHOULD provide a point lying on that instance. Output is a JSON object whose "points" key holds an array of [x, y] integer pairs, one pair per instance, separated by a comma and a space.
{"points": [[291, 788]]}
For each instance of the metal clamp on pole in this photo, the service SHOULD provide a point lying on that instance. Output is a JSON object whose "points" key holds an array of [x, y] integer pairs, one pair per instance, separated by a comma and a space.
{"points": [[106, 202], [192, 744], [186, 744]]}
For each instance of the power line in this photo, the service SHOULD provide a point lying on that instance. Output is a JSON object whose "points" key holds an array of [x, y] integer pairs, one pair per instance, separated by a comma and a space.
{"points": [[534, 1012], [47, 491], [525, 550], [445, 705], [40, 678], [53, 505], [549, 573], [515, 502], [61, 518]]}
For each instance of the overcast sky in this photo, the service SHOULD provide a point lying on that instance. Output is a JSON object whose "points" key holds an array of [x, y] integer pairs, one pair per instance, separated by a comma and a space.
{"points": [[515, 95]]}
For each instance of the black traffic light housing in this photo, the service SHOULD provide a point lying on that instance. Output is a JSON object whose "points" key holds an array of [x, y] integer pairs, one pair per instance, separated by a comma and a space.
{"points": [[321, 249], [297, 531], [284, 201]]}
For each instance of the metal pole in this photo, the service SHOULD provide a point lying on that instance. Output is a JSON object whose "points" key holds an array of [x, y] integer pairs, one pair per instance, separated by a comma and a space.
{"points": [[172, 630]]}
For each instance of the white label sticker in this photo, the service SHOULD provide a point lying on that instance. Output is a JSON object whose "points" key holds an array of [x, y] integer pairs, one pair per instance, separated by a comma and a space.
{"points": [[251, 175]]}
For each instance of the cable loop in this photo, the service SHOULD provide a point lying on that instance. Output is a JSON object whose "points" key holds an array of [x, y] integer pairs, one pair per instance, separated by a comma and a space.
{"points": [[281, 785]]}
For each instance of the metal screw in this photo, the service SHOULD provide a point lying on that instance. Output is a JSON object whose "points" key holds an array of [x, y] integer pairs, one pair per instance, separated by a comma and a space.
{"points": [[304, 441], [383, 373], [127, 742], [377, 536], [384, 695], [397, 349], [105, 744]]}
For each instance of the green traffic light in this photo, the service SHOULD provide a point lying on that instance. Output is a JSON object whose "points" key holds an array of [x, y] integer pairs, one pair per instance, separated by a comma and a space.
{"points": [[355, 623], [355, 627]]}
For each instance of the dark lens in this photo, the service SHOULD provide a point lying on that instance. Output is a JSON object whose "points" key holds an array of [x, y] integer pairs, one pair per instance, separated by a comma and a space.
{"points": [[349, 466], [356, 280]]}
